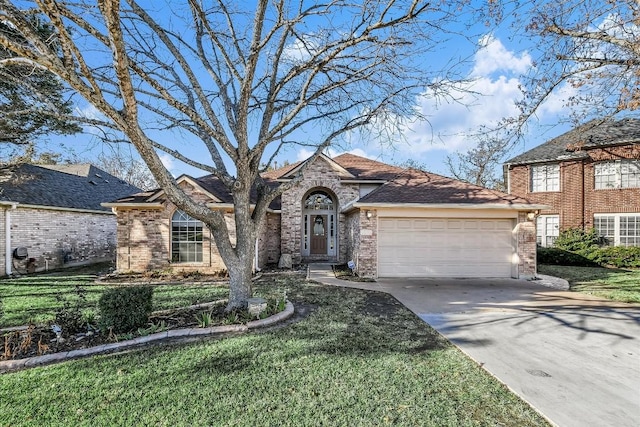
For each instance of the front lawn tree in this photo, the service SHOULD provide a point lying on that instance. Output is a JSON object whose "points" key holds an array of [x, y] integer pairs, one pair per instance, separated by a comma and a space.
{"points": [[244, 80]]}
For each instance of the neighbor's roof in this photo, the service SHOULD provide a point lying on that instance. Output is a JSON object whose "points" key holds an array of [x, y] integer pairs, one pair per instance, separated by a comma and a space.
{"points": [[399, 186], [571, 145], [80, 186]]}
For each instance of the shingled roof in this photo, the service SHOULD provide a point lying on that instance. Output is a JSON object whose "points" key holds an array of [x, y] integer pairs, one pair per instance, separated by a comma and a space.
{"points": [[399, 186], [572, 145], [424, 188], [80, 186]]}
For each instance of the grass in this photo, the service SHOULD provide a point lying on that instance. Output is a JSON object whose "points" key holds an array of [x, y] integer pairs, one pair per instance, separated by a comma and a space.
{"points": [[359, 358], [36, 298], [611, 283]]}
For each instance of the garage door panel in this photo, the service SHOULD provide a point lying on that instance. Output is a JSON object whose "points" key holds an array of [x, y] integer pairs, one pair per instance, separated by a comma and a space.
{"points": [[445, 247]]}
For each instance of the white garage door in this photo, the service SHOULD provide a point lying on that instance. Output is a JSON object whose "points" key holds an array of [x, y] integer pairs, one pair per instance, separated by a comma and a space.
{"points": [[440, 247]]}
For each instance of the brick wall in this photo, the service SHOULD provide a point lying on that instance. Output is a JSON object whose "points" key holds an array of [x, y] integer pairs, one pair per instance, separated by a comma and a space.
{"points": [[367, 257], [526, 246], [269, 240], [567, 203], [318, 176], [609, 200], [575, 206], [56, 239], [144, 242], [144, 239]]}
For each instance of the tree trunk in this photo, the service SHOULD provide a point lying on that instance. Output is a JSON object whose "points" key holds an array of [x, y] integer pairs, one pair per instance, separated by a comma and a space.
{"points": [[240, 264], [240, 284]]}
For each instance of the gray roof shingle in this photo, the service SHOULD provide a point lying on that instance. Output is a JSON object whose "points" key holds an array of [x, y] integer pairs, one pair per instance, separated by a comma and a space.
{"points": [[571, 145], [81, 186], [401, 186]]}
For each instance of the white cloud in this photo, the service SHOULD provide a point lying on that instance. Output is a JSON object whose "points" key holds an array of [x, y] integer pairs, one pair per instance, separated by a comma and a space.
{"points": [[493, 56], [89, 112], [168, 162], [483, 102], [301, 49]]}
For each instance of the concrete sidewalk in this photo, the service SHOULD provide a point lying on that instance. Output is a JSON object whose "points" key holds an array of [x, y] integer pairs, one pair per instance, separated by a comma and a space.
{"points": [[574, 357]]}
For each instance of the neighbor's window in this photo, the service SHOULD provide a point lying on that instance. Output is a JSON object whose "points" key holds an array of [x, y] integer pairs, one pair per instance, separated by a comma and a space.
{"points": [[606, 227], [186, 238], [545, 178], [547, 229], [619, 229], [617, 174]]}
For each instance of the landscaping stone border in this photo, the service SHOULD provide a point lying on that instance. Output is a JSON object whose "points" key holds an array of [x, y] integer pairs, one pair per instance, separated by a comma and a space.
{"points": [[29, 362]]}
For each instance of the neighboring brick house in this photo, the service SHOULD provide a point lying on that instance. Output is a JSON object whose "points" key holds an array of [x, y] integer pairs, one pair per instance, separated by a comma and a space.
{"points": [[389, 221], [54, 213], [590, 178]]}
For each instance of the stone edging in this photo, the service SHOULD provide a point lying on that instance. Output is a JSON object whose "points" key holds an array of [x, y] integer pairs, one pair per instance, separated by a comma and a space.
{"points": [[17, 364]]}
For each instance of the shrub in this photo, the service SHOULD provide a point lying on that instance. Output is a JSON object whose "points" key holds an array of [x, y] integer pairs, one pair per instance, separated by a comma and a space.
{"points": [[125, 309], [577, 240], [1, 309], [556, 256], [617, 256], [69, 315]]}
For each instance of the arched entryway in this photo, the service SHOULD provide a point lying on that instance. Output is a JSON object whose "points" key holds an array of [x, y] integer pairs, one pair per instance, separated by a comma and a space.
{"points": [[319, 224]]}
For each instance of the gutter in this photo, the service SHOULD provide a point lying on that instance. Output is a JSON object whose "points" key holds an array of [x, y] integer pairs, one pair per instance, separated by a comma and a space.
{"points": [[476, 206], [8, 207]]}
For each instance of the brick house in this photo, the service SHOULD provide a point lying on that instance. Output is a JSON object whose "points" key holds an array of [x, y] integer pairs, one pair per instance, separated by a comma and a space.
{"points": [[590, 178], [389, 221], [54, 214]]}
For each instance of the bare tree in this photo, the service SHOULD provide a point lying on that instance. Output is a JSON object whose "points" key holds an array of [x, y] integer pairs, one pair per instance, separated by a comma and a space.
{"points": [[590, 50], [127, 168], [480, 165], [239, 77]]}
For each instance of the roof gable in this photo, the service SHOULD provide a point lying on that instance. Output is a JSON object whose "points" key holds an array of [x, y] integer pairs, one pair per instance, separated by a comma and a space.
{"points": [[193, 183], [340, 171]]}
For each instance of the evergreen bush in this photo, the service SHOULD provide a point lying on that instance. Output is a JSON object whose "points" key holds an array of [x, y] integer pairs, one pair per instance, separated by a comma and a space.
{"points": [[125, 309]]}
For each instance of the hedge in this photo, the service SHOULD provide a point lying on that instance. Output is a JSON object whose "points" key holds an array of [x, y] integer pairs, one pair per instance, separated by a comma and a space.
{"points": [[125, 309]]}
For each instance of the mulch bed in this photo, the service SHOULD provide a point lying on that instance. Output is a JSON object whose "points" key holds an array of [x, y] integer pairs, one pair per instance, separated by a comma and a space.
{"points": [[38, 340]]}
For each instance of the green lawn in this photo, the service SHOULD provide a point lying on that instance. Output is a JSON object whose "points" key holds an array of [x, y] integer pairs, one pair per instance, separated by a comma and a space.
{"points": [[358, 358], [36, 298], [616, 284]]}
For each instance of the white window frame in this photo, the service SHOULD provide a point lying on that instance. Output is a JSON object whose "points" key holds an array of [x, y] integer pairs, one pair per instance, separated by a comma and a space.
{"points": [[547, 229], [621, 237], [545, 178], [187, 239], [617, 174]]}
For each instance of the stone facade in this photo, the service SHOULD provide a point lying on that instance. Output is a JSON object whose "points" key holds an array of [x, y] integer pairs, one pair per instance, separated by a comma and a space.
{"points": [[363, 242], [526, 246], [578, 200], [269, 240], [59, 238], [318, 176]]}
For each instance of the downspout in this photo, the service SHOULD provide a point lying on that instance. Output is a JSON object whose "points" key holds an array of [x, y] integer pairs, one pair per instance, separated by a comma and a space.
{"points": [[7, 232]]}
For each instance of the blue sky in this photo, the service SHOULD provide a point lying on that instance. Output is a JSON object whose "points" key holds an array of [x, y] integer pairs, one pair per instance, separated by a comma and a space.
{"points": [[495, 70]]}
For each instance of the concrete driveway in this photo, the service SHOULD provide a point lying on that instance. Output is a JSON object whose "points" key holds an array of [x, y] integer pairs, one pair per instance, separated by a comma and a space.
{"points": [[575, 358]]}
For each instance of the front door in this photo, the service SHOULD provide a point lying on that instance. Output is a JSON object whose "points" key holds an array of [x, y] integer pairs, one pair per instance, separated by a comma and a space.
{"points": [[319, 235]]}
